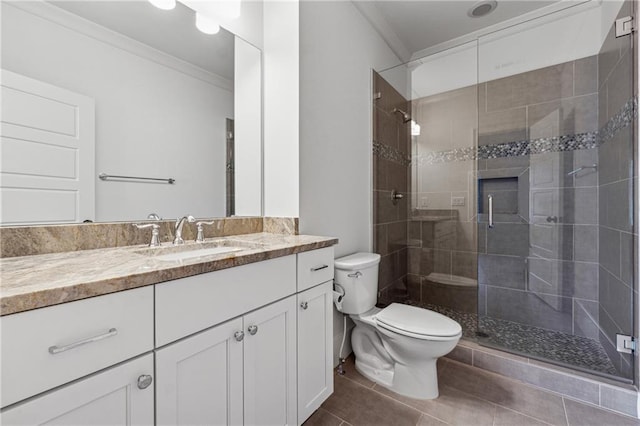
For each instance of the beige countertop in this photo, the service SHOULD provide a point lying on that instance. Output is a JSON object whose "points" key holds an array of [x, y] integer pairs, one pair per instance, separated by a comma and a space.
{"points": [[31, 282]]}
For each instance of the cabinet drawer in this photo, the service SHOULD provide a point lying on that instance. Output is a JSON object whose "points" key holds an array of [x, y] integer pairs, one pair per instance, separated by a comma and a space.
{"points": [[188, 305], [314, 267], [48, 347]]}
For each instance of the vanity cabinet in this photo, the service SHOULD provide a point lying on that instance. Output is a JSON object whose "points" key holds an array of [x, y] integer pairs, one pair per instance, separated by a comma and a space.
{"points": [[199, 379], [245, 345], [242, 371], [315, 348], [121, 395]]}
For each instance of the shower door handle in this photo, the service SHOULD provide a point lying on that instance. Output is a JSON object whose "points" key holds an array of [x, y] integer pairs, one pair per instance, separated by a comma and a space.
{"points": [[490, 199]]}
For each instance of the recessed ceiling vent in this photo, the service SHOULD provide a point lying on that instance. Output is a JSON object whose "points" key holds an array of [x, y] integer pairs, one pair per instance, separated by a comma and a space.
{"points": [[482, 8]]}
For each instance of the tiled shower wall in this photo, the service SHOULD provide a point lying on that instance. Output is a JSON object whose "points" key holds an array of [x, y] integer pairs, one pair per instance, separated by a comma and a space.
{"points": [[616, 232], [390, 171], [442, 228], [538, 264]]}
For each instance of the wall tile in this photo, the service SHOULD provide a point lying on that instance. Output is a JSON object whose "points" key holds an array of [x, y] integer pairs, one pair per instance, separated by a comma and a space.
{"points": [[585, 157], [397, 236], [533, 87], [502, 126], [442, 261], [626, 258], [586, 75], [610, 250], [381, 245], [461, 354], [459, 298], [509, 239], [585, 243], [585, 319], [501, 271], [620, 85], [619, 400], [546, 311], [616, 300], [464, 264], [563, 117]]}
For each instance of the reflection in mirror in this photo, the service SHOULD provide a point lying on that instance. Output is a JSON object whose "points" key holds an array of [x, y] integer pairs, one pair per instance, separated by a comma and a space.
{"points": [[128, 90]]}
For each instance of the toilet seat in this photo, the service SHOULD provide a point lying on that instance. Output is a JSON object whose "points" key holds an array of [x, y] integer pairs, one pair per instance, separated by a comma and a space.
{"points": [[418, 323]]}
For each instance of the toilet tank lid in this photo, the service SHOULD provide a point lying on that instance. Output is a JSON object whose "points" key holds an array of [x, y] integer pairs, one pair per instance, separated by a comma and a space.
{"points": [[357, 261]]}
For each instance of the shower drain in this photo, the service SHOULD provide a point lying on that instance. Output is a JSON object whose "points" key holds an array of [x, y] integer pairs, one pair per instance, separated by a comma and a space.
{"points": [[482, 334]]}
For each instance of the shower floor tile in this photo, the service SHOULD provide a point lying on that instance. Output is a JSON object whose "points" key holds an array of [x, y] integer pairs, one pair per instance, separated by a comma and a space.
{"points": [[531, 341]]}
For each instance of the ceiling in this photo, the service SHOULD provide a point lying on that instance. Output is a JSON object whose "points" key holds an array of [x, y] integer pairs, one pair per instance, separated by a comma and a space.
{"points": [[422, 24], [170, 31]]}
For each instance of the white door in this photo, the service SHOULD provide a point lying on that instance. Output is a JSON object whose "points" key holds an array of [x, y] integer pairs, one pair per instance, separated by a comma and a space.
{"points": [[47, 153], [315, 348], [270, 364], [108, 398], [199, 379]]}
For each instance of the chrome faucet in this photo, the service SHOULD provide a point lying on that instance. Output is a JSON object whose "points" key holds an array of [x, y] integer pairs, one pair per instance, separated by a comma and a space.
{"points": [[154, 216], [179, 223]]}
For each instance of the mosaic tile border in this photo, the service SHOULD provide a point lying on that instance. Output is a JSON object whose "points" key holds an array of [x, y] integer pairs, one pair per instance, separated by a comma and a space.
{"points": [[387, 152], [624, 118], [579, 141]]}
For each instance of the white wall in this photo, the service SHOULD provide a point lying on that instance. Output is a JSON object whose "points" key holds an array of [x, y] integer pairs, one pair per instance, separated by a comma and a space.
{"points": [[281, 92], [248, 129], [338, 49], [151, 120]]}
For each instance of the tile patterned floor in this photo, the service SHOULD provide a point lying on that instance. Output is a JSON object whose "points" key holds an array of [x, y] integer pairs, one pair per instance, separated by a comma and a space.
{"points": [[468, 396], [532, 341]]}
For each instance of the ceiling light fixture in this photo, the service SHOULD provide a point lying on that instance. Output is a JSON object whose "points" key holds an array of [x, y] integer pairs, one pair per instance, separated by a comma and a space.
{"points": [[164, 4], [482, 8], [206, 25]]}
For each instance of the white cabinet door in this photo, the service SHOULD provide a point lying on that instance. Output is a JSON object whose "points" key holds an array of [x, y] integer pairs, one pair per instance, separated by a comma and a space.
{"points": [[108, 398], [315, 351], [199, 379], [270, 364]]}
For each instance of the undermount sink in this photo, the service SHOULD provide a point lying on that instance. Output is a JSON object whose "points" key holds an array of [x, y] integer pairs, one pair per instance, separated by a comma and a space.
{"points": [[196, 250]]}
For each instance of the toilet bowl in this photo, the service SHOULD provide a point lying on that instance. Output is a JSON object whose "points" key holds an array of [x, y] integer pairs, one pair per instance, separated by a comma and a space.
{"points": [[398, 346]]}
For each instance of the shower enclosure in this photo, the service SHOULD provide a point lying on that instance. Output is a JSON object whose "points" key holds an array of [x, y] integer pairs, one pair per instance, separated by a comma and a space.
{"points": [[516, 162]]}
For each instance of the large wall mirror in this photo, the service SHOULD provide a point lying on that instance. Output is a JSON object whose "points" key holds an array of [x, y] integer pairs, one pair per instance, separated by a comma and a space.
{"points": [[112, 110]]}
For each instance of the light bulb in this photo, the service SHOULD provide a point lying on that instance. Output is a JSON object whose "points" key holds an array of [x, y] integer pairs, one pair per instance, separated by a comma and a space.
{"points": [[206, 25], [164, 4]]}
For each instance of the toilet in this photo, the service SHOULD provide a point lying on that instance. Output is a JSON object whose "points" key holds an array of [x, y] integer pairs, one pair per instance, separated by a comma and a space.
{"points": [[398, 346]]}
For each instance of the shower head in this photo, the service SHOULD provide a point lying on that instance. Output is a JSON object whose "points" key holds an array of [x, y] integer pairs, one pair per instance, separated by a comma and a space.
{"points": [[405, 117]]}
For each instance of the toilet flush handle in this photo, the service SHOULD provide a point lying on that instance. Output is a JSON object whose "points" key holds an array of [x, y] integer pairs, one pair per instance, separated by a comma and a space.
{"points": [[356, 274]]}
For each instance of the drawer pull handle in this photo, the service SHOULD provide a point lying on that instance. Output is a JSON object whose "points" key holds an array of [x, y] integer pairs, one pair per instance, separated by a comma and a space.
{"points": [[304, 305], [239, 335], [56, 350], [253, 329], [144, 381], [319, 268]]}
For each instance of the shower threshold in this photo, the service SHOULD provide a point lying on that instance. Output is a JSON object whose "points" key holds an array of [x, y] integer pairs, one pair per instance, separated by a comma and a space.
{"points": [[566, 350]]}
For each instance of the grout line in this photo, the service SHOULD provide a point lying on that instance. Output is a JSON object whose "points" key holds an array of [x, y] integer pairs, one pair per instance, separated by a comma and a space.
{"points": [[374, 388], [566, 415]]}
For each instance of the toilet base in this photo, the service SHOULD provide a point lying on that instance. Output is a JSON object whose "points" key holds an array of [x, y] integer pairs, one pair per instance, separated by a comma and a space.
{"points": [[417, 383]]}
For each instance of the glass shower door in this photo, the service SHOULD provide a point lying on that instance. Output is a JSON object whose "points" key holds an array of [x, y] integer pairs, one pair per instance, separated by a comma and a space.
{"points": [[555, 189]]}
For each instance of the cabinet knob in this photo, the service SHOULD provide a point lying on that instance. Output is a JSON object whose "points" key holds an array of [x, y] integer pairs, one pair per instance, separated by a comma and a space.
{"points": [[144, 381], [239, 335], [253, 329], [304, 305]]}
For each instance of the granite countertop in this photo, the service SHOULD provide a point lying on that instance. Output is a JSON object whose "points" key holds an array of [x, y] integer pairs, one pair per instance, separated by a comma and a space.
{"points": [[31, 282]]}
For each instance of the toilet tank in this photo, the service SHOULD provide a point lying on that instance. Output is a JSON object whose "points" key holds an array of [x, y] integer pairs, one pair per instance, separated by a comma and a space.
{"points": [[357, 274]]}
